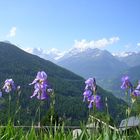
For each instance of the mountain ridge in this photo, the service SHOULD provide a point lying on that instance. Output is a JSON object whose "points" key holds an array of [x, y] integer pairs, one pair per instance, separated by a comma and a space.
{"points": [[22, 67], [99, 63], [93, 62]]}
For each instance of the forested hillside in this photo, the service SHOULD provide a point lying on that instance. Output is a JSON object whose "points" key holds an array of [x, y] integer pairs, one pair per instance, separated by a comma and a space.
{"points": [[23, 67]]}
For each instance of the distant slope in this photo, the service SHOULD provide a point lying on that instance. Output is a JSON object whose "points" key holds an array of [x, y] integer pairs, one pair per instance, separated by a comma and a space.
{"points": [[22, 67], [134, 75], [93, 62], [134, 72], [131, 60]]}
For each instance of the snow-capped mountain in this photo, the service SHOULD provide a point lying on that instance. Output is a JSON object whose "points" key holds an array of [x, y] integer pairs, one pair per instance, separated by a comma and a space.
{"points": [[53, 54], [92, 62], [78, 52], [132, 59]]}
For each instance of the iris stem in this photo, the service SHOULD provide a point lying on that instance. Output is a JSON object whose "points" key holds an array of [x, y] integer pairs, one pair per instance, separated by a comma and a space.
{"points": [[39, 111], [18, 107], [52, 107], [9, 106]]}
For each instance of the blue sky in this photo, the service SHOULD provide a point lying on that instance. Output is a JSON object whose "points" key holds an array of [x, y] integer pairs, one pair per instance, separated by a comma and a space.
{"points": [[63, 24]]}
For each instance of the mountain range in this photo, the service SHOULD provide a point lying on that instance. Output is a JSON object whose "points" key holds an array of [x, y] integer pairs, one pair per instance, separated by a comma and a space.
{"points": [[22, 67], [130, 58], [93, 62]]}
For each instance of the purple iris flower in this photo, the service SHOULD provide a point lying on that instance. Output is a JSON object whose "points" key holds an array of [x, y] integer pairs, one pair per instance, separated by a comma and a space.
{"points": [[138, 86], [87, 94], [94, 100], [126, 84], [90, 93], [41, 77], [40, 91], [40, 86], [9, 85], [136, 92], [91, 84]]}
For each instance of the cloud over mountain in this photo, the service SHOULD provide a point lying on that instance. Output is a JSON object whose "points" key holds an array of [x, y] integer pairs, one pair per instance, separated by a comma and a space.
{"points": [[101, 43], [79, 46], [51, 54]]}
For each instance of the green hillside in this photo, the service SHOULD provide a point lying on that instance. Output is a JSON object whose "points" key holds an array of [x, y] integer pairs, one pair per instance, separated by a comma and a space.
{"points": [[22, 68]]}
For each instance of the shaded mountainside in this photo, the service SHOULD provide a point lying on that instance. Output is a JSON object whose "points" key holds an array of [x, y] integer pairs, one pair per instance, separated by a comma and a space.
{"points": [[93, 62], [131, 60], [134, 72], [134, 75], [68, 87]]}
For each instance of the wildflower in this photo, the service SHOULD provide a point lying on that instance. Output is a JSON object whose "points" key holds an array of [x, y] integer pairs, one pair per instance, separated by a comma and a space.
{"points": [[91, 84], [94, 100], [9, 85], [40, 91], [49, 91], [40, 86], [87, 94], [136, 92], [41, 77], [126, 84], [90, 93]]}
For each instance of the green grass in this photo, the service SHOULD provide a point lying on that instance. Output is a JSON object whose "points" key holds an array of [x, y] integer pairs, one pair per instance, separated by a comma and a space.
{"points": [[103, 132]]}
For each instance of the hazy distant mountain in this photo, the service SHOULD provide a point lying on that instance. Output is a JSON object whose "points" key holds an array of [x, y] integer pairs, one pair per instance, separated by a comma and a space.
{"points": [[131, 59], [134, 73], [22, 67], [92, 63], [115, 84]]}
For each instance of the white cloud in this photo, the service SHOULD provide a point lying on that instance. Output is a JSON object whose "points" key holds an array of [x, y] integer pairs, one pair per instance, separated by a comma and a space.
{"points": [[55, 54], [12, 32], [51, 54], [138, 44], [102, 43]]}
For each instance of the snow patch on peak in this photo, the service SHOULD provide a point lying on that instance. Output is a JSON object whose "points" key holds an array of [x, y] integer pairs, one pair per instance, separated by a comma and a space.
{"points": [[55, 53], [124, 54]]}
